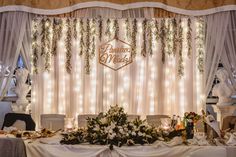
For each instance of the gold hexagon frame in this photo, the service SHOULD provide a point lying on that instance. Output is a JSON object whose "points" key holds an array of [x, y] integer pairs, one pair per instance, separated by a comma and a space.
{"points": [[122, 52]]}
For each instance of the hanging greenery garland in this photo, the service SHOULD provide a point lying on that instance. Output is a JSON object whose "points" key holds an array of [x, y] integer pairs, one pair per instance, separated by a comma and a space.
{"points": [[180, 62], [35, 46], [93, 34], [189, 38], [108, 32], [46, 42], [81, 31], [87, 55], [163, 36], [144, 48], [150, 27], [75, 28], [100, 26], [169, 38], [68, 41], [200, 44], [128, 29], [175, 35], [116, 29], [134, 34], [156, 33], [57, 33]]}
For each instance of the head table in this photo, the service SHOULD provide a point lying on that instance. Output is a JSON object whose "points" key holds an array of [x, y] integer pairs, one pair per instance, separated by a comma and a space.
{"points": [[50, 147]]}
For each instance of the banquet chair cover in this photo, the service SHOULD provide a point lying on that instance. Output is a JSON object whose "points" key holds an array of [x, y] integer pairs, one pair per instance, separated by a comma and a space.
{"points": [[11, 118], [20, 125], [229, 122], [132, 117], [53, 121], [12, 147], [5, 107], [155, 120], [82, 119]]}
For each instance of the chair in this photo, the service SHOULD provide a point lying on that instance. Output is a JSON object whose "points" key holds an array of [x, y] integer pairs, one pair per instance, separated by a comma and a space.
{"points": [[82, 119], [5, 107], [16, 118], [155, 120], [133, 117], [53, 121], [229, 122]]}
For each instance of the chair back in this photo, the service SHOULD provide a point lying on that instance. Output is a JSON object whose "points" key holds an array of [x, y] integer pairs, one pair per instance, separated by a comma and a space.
{"points": [[132, 117], [53, 121], [14, 118], [229, 122], [155, 120], [5, 107], [82, 119]]}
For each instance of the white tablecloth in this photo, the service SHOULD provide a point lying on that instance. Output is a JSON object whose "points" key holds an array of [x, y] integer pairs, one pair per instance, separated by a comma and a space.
{"points": [[37, 149]]}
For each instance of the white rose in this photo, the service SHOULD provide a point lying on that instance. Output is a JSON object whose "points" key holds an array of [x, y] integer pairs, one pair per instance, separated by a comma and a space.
{"points": [[111, 136], [133, 133], [104, 120], [96, 128], [140, 134]]}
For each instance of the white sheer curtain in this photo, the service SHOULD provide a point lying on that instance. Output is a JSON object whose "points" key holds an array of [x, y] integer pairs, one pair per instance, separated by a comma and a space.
{"points": [[147, 86], [26, 49], [215, 38], [228, 57], [12, 31]]}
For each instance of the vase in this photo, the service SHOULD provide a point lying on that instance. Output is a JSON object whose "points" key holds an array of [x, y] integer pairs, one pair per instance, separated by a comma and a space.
{"points": [[189, 130]]}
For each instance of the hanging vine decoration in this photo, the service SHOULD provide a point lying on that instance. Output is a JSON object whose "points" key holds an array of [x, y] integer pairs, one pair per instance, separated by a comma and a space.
{"points": [[35, 46], [116, 29], [57, 33], [156, 32], [46, 42], [108, 32], [180, 63], [100, 26], [149, 35], [68, 41], [87, 52], [169, 39], [128, 29], [175, 35], [163, 36], [189, 38], [81, 32], [134, 34], [75, 35], [93, 34], [144, 46], [200, 45]]}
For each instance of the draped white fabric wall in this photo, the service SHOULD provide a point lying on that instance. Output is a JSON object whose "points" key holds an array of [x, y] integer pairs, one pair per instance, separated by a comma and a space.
{"points": [[215, 37], [228, 57], [147, 86], [12, 31]]}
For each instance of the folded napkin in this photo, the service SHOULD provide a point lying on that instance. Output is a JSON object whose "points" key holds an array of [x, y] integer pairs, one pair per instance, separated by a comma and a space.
{"points": [[51, 141], [9, 129], [210, 120], [199, 140], [174, 142], [232, 140]]}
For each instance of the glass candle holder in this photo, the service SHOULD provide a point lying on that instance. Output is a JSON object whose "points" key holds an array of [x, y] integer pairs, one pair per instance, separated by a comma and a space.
{"points": [[165, 123], [69, 124]]}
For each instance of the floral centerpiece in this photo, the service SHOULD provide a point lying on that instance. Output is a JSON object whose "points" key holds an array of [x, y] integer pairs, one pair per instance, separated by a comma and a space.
{"points": [[113, 128], [191, 116], [190, 119]]}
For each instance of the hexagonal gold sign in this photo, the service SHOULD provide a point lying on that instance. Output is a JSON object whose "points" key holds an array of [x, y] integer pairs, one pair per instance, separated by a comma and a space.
{"points": [[115, 54]]}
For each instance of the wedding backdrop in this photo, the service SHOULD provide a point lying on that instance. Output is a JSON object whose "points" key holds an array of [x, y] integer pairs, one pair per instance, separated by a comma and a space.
{"points": [[164, 77]]}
